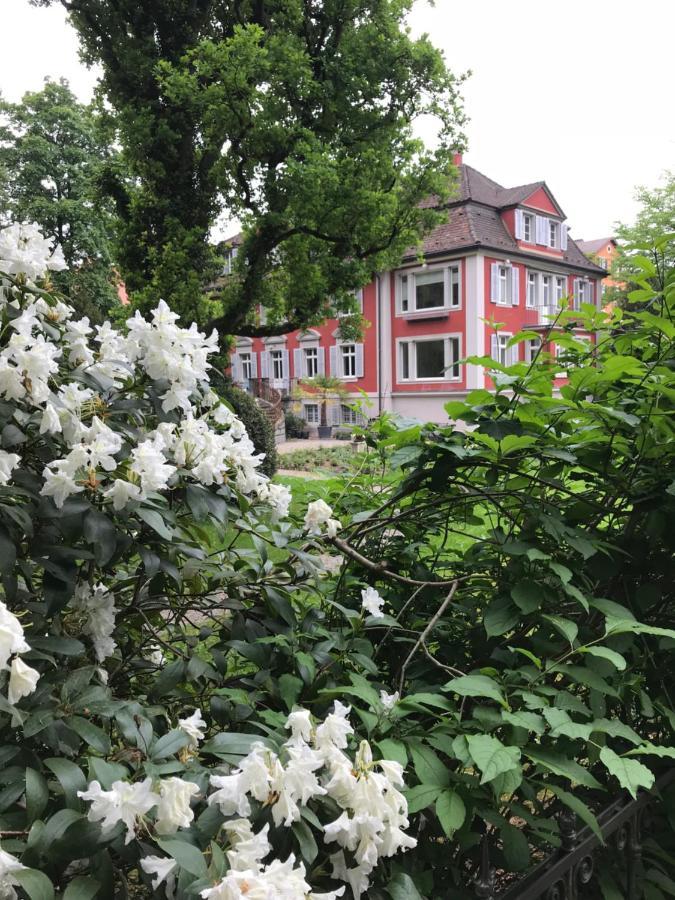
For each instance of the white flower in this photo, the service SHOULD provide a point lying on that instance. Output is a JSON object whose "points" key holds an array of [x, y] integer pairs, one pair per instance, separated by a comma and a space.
{"points": [[22, 681], [25, 251], [318, 513], [124, 802], [249, 849], [300, 725], [335, 728], [372, 603], [59, 482], [11, 636], [8, 865], [388, 700], [151, 467], [173, 809], [332, 527], [50, 422], [192, 726], [122, 492], [159, 866], [8, 462], [97, 605], [231, 794]]}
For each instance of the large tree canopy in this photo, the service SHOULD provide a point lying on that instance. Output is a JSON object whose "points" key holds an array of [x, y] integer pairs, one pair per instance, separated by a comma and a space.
{"points": [[52, 154], [655, 218], [295, 117]]}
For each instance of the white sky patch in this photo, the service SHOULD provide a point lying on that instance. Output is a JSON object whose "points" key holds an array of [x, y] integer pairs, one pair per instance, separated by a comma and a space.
{"points": [[572, 93]]}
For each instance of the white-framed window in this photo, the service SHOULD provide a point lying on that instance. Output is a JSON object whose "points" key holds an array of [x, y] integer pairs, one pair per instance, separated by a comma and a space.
{"points": [[501, 352], [433, 358], [311, 361], [528, 228], [246, 366], [532, 346], [560, 288], [532, 296], [583, 292], [504, 284], [553, 234], [348, 360], [546, 290], [429, 290], [277, 365], [230, 255], [310, 413], [348, 415]]}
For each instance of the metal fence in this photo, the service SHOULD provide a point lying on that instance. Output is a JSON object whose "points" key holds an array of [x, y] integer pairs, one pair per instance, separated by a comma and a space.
{"points": [[568, 873]]}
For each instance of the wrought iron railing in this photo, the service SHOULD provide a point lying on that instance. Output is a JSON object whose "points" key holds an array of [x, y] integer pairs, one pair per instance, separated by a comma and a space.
{"points": [[568, 873]]}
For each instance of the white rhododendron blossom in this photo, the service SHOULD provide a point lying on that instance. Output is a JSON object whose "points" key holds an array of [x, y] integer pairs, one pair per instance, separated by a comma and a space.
{"points": [[371, 602], [8, 866], [173, 809], [25, 251], [22, 678], [319, 515], [389, 701], [97, 605], [124, 802], [192, 726], [162, 868]]}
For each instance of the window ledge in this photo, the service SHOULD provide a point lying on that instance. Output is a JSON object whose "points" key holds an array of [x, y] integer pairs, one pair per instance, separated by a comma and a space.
{"points": [[441, 312]]}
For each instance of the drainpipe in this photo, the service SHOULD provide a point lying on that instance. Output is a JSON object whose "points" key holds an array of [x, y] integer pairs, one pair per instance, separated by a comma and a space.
{"points": [[379, 343]]}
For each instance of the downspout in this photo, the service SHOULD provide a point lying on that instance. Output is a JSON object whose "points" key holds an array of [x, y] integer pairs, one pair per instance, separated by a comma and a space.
{"points": [[379, 344]]}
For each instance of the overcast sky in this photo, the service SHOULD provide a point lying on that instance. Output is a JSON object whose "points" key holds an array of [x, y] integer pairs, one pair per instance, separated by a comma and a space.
{"points": [[577, 93]]}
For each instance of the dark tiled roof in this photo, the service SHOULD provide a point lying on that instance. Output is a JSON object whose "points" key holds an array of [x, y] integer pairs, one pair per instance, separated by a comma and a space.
{"points": [[594, 245]]}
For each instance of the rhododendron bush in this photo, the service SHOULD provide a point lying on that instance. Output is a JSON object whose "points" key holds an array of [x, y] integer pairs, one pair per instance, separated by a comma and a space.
{"points": [[150, 658]]}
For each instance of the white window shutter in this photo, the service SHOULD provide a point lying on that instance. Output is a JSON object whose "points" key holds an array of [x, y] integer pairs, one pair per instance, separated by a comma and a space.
{"points": [[321, 361], [515, 285], [254, 364], [494, 347], [494, 282], [563, 237], [235, 364], [334, 362], [264, 363], [542, 224], [298, 359], [577, 293], [359, 360], [335, 414], [514, 353], [284, 364], [519, 224]]}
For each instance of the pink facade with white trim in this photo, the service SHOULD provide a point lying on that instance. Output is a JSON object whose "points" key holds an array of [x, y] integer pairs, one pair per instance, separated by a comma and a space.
{"points": [[503, 255]]}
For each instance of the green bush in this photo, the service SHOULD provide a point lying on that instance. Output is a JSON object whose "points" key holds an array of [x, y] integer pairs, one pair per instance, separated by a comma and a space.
{"points": [[257, 424], [295, 426]]}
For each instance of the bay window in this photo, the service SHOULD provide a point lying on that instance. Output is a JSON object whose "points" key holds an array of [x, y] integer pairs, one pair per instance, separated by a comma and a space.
{"points": [[428, 291]]}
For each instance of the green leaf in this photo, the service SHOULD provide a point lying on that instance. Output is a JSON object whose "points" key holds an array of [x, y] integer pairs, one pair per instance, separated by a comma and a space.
{"points": [[82, 888], [169, 744], [527, 595], [37, 795], [615, 658], [71, 778], [653, 750], [500, 617], [565, 627], [476, 686], [35, 884], [106, 772], [421, 796], [56, 644], [491, 756], [232, 746], [152, 518], [289, 689], [402, 887], [560, 765], [522, 719], [92, 734], [99, 531], [186, 855], [515, 846], [451, 812], [630, 773], [391, 749], [306, 842], [428, 766], [579, 807], [591, 679]]}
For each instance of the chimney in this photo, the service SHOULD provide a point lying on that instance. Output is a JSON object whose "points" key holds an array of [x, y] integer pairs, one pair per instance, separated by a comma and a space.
{"points": [[457, 159]]}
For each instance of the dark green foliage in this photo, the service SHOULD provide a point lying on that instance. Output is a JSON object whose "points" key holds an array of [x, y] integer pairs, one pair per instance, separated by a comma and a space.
{"points": [[295, 426], [296, 119], [259, 427], [53, 151]]}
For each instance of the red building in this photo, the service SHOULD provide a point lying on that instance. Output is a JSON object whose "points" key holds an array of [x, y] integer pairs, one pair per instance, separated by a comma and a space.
{"points": [[503, 254]]}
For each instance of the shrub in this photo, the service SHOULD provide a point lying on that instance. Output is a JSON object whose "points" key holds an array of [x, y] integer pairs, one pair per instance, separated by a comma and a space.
{"points": [[258, 426], [148, 685], [295, 425]]}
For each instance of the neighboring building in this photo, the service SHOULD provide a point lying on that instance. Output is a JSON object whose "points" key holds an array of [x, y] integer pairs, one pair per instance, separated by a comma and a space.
{"points": [[503, 253], [604, 253]]}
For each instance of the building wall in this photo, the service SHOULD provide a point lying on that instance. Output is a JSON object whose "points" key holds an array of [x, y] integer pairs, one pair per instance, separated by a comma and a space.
{"points": [[540, 200]]}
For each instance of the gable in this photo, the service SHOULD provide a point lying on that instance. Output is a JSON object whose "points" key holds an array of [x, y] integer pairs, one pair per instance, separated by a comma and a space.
{"points": [[542, 200]]}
